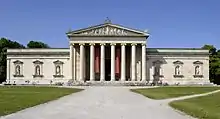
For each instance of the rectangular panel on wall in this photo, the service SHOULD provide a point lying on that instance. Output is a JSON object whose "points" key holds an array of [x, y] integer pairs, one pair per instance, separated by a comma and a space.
{"points": [[97, 59], [117, 61]]}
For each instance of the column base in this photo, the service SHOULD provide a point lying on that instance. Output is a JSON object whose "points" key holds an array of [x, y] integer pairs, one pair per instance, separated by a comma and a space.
{"points": [[122, 80], [91, 80], [112, 80], [102, 80], [145, 80]]}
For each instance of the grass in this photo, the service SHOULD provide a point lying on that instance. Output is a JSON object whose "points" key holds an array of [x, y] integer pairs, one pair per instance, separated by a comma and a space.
{"points": [[171, 92], [206, 107], [15, 98]]}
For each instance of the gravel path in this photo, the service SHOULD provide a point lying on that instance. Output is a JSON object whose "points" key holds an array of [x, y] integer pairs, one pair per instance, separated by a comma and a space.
{"points": [[101, 103]]}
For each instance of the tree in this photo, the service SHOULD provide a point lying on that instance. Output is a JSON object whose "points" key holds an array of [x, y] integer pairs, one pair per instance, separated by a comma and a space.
{"points": [[214, 64], [211, 48], [218, 53], [4, 44], [37, 44]]}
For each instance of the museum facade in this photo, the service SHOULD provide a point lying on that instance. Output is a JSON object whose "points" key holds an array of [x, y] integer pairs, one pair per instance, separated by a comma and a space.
{"points": [[111, 54]]}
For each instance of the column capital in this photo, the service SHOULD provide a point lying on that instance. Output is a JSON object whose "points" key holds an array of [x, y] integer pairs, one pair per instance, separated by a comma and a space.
{"points": [[133, 44], [91, 43], [82, 44], [71, 44], [123, 44], [102, 44], [143, 44], [113, 44]]}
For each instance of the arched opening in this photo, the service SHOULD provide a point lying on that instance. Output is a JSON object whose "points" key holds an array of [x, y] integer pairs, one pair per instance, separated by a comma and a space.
{"points": [[177, 70], [37, 70], [197, 70], [58, 70], [18, 70]]}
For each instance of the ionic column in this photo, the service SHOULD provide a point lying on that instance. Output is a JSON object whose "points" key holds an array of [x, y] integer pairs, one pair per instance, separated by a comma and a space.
{"points": [[123, 62], [113, 62], [143, 73], [92, 54], [102, 73], [71, 61], [133, 62], [74, 63], [81, 75]]}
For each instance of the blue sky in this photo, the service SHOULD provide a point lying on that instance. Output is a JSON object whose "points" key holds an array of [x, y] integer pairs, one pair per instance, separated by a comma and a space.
{"points": [[171, 23]]}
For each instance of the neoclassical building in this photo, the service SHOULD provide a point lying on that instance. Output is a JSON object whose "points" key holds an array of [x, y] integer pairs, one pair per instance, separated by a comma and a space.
{"points": [[108, 53]]}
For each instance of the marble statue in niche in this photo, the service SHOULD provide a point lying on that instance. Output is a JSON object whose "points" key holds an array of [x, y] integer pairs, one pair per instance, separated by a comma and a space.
{"points": [[106, 31], [58, 71], [18, 70]]}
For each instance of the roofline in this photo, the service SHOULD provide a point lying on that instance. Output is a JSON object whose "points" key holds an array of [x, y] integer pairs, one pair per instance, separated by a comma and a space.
{"points": [[89, 27], [76, 35], [150, 51], [97, 36], [177, 48], [146, 48], [37, 53], [179, 51], [114, 25], [35, 48]]}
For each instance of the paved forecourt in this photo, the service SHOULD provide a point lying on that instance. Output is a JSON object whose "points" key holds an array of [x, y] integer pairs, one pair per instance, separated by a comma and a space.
{"points": [[101, 103]]}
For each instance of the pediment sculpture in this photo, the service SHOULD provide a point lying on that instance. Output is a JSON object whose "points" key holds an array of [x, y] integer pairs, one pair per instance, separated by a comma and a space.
{"points": [[106, 31]]}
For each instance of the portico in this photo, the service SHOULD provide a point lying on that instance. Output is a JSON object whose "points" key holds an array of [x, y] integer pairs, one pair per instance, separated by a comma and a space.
{"points": [[108, 52], [107, 62]]}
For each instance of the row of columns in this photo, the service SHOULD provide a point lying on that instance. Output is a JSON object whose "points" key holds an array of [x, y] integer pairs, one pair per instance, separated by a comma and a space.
{"points": [[102, 62]]}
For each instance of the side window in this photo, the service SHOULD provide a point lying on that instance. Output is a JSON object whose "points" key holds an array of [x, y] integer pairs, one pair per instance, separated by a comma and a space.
{"points": [[58, 66], [157, 68], [177, 70], [198, 67], [178, 65], [38, 69], [58, 70], [197, 70], [18, 71]]}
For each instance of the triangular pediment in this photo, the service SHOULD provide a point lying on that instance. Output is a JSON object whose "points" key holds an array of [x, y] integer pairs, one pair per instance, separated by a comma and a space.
{"points": [[58, 62], [107, 29], [177, 62], [18, 62], [157, 62], [197, 62], [37, 62]]}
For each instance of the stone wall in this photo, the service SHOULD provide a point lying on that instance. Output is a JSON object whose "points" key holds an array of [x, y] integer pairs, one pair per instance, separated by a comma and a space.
{"points": [[166, 58], [187, 69], [27, 69]]}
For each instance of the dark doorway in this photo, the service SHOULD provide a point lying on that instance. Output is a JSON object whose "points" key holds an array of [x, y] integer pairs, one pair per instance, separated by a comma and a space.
{"points": [[107, 69], [107, 63]]}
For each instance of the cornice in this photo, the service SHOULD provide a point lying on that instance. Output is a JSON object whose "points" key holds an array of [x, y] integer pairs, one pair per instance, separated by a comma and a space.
{"points": [[38, 53]]}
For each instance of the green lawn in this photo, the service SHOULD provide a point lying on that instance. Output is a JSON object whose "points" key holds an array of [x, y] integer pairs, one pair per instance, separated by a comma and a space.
{"points": [[15, 98], [171, 92], [206, 107]]}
